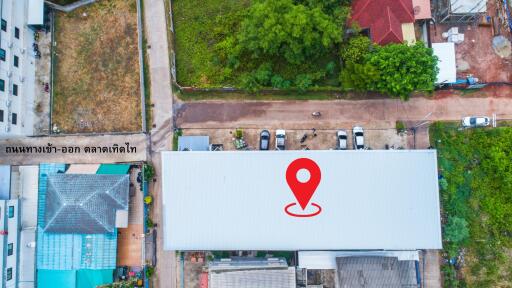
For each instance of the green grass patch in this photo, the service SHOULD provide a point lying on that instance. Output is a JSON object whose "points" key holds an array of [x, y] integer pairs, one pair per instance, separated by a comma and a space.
{"points": [[476, 196], [194, 22], [175, 137], [197, 65]]}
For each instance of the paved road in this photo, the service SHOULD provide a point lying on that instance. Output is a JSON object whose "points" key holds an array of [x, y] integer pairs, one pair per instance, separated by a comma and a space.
{"points": [[335, 114], [10, 152], [161, 132]]}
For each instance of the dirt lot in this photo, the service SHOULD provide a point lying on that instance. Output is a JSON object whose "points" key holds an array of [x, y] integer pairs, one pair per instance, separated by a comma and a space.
{"points": [[476, 51], [194, 265], [325, 139], [97, 69]]}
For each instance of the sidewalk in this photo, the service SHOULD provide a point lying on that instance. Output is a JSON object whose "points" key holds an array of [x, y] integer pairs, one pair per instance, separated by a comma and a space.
{"points": [[161, 131]]}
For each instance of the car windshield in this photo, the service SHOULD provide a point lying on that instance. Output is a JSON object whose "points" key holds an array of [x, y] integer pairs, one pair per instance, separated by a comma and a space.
{"points": [[359, 134], [343, 137], [472, 121]]}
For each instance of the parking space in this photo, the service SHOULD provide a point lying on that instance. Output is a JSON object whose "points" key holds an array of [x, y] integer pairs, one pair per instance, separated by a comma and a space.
{"points": [[317, 139]]}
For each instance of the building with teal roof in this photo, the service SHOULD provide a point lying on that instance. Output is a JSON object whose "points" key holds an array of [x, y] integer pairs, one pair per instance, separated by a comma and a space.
{"points": [[85, 257]]}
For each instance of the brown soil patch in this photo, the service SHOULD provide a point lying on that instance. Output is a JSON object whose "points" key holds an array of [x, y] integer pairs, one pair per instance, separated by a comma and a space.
{"points": [[97, 69]]}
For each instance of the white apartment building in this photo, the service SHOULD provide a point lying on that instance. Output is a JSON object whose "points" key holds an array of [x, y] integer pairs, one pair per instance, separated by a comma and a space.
{"points": [[9, 239], [18, 219], [17, 65]]}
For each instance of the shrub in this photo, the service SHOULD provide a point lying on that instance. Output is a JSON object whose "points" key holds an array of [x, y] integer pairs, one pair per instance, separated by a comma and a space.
{"points": [[356, 49], [149, 223], [400, 127], [150, 271], [239, 134], [148, 171]]}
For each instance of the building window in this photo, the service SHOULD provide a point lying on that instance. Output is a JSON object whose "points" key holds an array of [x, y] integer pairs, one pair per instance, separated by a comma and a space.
{"points": [[14, 89], [16, 32], [9, 274], [14, 122], [10, 249], [1, 115], [2, 54], [2, 85], [4, 25], [16, 61], [11, 208]]}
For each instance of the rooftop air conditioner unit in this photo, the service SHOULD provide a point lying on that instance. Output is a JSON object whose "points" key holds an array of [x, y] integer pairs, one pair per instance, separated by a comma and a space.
{"points": [[22, 79], [10, 45], [7, 103], [9, 74], [22, 50], [7, 128]]}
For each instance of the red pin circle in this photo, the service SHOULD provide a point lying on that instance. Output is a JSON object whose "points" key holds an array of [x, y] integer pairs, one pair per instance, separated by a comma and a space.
{"points": [[303, 191]]}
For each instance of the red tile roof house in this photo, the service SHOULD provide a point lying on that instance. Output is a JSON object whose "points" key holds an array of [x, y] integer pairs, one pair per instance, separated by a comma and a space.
{"points": [[389, 21]]}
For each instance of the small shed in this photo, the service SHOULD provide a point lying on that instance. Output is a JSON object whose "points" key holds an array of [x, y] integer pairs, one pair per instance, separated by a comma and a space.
{"points": [[193, 143], [445, 53]]}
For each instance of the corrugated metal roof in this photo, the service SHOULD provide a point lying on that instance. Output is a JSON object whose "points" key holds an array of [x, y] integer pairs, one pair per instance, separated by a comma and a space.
{"points": [[275, 278], [194, 143], [325, 260], [377, 199], [371, 271], [84, 203], [468, 6]]}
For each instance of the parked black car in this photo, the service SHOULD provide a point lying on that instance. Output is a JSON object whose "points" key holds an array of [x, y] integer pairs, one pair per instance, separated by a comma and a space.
{"points": [[264, 140]]}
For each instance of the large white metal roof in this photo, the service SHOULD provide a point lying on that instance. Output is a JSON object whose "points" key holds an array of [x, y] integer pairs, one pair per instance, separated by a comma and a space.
{"points": [[376, 199]]}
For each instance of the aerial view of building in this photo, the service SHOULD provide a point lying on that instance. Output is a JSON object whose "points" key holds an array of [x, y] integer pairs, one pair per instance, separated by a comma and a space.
{"points": [[255, 143]]}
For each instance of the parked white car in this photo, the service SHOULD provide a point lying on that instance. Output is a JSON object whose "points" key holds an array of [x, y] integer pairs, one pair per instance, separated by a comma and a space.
{"points": [[280, 139], [342, 139], [476, 121], [358, 134]]}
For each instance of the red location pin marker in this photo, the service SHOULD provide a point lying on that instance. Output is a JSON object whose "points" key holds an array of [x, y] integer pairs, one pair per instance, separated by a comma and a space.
{"points": [[303, 191]]}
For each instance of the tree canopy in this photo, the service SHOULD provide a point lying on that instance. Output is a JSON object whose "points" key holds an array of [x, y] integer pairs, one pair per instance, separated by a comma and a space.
{"points": [[394, 69], [283, 33]]}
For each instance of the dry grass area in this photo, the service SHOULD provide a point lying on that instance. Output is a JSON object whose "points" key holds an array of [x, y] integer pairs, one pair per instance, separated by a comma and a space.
{"points": [[97, 69]]}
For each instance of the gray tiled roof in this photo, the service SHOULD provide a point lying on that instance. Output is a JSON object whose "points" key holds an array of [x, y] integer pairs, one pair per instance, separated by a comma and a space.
{"points": [[87, 203], [375, 272]]}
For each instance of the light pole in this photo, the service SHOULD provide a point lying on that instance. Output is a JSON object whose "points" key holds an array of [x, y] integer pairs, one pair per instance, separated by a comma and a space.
{"points": [[423, 122]]}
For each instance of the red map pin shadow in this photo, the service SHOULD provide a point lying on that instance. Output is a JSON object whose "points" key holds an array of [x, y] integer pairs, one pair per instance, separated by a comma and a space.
{"points": [[303, 191]]}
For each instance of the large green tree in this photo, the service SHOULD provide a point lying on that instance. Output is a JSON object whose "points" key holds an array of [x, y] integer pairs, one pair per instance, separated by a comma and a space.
{"points": [[283, 33], [395, 69], [404, 69]]}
